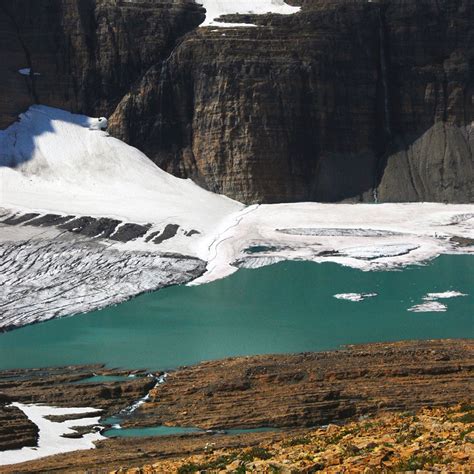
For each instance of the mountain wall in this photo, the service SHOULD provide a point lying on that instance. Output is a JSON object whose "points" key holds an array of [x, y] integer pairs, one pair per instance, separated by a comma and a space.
{"points": [[345, 100], [83, 55]]}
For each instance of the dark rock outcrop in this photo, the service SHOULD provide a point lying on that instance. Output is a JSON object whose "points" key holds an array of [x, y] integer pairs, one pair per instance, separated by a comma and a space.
{"points": [[16, 430], [346, 100], [83, 55]]}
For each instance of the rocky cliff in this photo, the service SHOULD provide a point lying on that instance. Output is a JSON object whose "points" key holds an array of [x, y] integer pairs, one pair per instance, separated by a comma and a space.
{"points": [[345, 100], [83, 55]]}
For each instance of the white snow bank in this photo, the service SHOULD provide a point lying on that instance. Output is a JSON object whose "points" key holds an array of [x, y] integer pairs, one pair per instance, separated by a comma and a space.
{"points": [[51, 440], [403, 234], [217, 8], [354, 296], [50, 161]]}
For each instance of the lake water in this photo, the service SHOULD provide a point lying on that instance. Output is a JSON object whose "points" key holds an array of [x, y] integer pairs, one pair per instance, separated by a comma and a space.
{"points": [[288, 307]]}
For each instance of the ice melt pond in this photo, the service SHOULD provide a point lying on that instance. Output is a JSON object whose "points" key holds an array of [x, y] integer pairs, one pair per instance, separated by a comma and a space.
{"points": [[288, 307]]}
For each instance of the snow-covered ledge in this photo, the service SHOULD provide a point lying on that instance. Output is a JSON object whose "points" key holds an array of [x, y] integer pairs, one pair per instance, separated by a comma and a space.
{"points": [[217, 8], [51, 440]]}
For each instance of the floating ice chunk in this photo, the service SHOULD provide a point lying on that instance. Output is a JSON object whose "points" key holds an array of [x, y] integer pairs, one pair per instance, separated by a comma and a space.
{"points": [[444, 294], [429, 307], [432, 305], [354, 296]]}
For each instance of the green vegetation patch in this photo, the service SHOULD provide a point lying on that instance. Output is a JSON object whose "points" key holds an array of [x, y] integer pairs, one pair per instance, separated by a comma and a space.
{"points": [[419, 462], [255, 453], [297, 441]]}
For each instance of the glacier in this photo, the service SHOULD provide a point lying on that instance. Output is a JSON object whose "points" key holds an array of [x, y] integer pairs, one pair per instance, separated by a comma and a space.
{"points": [[88, 221]]}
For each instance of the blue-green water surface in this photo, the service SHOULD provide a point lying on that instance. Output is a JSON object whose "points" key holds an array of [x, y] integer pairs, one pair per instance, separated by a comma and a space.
{"points": [[283, 308], [172, 430]]}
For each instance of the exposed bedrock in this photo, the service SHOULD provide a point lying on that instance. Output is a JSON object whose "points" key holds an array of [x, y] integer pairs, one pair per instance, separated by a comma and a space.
{"points": [[16, 430], [312, 388], [345, 100]]}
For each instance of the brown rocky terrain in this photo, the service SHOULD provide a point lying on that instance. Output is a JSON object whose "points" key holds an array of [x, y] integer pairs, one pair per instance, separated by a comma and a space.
{"points": [[293, 393], [16, 430], [345, 100], [432, 440], [311, 389]]}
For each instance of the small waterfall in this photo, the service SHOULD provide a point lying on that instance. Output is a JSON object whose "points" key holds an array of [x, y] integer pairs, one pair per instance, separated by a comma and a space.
{"points": [[387, 122], [375, 195], [130, 409]]}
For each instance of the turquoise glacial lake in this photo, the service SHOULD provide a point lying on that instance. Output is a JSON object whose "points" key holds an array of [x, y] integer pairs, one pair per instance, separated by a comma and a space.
{"points": [[283, 308]]}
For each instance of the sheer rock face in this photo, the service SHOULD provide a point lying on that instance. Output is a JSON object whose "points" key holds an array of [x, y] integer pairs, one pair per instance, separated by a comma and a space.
{"points": [[322, 105], [83, 55], [346, 100]]}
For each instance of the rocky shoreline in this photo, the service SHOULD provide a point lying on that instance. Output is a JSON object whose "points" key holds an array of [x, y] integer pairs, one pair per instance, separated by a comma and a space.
{"points": [[294, 393]]}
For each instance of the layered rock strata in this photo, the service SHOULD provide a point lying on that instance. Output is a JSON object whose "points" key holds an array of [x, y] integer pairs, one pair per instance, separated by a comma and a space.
{"points": [[367, 101], [311, 389], [16, 430]]}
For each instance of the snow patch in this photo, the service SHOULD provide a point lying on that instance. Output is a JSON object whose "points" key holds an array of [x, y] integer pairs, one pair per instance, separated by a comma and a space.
{"points": [[362, 236], [26, 71], [51, 440], [217, 8], [354, 296]]}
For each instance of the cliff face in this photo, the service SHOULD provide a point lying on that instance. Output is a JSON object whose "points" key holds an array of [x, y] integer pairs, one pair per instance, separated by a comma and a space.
{"points": [[83, 55], [346, 100], [323, 105]]}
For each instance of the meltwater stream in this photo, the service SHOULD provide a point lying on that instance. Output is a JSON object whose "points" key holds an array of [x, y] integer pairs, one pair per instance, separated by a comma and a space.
{"points": [[283, 308]]}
